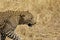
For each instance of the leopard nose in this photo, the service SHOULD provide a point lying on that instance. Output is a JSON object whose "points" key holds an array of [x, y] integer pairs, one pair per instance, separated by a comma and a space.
{"points": [[30, 25]]}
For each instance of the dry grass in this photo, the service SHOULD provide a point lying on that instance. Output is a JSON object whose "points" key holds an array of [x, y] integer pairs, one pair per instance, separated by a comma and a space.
{"points": [[47, 16]]}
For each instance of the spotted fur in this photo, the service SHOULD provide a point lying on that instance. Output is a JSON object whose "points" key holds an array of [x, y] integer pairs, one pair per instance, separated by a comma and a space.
{"points": [[9, 21]]}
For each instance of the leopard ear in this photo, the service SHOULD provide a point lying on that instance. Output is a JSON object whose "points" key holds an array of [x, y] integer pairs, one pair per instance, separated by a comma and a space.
{"points": [[20, 19], [22, 15]]}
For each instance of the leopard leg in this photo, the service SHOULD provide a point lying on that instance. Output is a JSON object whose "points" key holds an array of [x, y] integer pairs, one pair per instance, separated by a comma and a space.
{"points": [[12, 35]]}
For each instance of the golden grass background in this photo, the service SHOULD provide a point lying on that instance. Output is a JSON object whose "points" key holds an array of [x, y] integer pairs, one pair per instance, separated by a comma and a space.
{"points": [[47, 16]]}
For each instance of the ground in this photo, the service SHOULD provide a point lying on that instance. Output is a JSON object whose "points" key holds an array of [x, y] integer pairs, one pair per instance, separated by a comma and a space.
{"points": [[47, 16]]}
